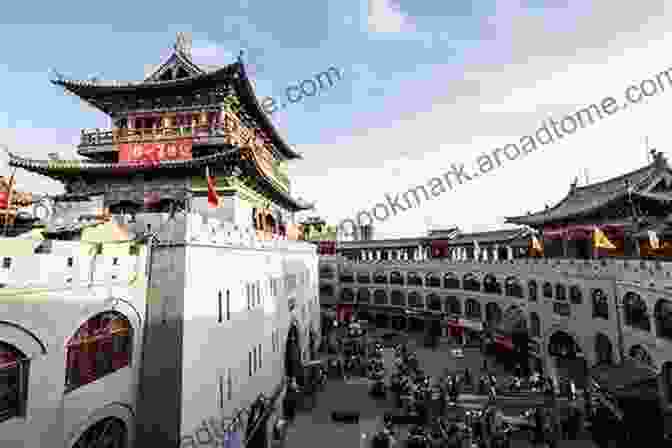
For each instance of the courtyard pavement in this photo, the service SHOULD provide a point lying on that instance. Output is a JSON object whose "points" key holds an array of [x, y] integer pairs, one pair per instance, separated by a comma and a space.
{"points": [[315, 429]]}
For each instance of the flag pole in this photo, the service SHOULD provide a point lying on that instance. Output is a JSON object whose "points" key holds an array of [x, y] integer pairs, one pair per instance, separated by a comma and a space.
{"points": [[9, 202]]}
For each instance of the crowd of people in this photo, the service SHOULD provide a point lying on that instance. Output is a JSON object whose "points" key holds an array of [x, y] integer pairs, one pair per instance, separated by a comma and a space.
{"points": [[429, 406], [429, 413]]}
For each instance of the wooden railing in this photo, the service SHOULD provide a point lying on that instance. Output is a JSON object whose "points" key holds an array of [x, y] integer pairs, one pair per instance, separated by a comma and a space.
{"points": [[228, 126]]}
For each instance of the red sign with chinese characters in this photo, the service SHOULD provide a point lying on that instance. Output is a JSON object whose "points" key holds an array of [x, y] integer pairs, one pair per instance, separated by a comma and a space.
{"points": [[173, 150]]}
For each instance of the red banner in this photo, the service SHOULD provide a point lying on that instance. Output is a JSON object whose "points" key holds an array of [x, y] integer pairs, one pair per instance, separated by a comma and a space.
{"points": [[4, 199], [343, 312], [504, 342], [179, 149]]}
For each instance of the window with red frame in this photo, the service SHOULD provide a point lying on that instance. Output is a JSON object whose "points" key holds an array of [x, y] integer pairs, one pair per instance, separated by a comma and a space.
{"points": [[13, 382], [102, 345]]}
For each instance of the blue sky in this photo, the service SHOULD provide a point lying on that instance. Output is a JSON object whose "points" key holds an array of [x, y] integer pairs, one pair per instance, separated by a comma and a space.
{"points": [[425, 84]]}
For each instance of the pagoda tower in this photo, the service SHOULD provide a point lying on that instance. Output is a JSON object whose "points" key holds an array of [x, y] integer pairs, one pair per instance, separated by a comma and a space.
{"points": [[181, 122]]}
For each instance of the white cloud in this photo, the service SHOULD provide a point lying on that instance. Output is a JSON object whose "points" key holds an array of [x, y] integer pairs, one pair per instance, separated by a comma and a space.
{"points": [[547, 74], [211, 53], [385, 16]]}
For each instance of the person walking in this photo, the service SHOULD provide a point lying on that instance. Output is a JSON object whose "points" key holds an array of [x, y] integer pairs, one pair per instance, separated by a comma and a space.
{"points": [[571, 391]]}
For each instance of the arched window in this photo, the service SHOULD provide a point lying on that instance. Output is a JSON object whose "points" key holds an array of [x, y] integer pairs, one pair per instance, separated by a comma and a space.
{"points": [[513, 287], [396, 278], [363, 278], [347, 277], [493, 313], [563, 345], [560, 292], [379, 278], [575, 295], [547, 290], [635, 312], [13, 382], [471, 283], [450, 281], [397, 298], [600, 304], [363, 295], [413, 279], [102, 345], [604, 352], [472, 309], [434, 302], [535, 325], [380, 297], [663, 313], [326, 290], [533, 290], [453, 306], [639, 353], [415, 300], [347, 295], [326, 271], [491, 285], [433, 280]]}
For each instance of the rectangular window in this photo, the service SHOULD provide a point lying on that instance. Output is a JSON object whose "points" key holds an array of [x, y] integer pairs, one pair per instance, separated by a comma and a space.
{"points": [[258, 292], [247, 293], [249, 354], [228, 305], [6, 263], [219, 307], [259, 351], [221, 392], [254, 358], [70, 262], [229, 384]]}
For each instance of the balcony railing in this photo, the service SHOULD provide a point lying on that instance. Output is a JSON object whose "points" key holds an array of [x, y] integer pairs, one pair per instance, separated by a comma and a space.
{"points": [[227, 126]]}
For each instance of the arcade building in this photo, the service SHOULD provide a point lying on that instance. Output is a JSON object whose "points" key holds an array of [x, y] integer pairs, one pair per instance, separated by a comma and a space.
{"points": [[549, 294]]}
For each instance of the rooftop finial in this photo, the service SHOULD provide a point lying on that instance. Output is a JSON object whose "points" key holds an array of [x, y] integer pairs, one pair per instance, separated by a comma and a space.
{"points": [[573, 185], [183, 43]]}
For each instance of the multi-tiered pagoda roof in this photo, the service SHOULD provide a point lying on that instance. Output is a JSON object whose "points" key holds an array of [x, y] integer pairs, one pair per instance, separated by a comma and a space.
{"points": [[648, 189], [226, 128]]}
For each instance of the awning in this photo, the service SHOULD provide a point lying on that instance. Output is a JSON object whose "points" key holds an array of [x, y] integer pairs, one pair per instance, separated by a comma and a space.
{"points": [[504, 342]]}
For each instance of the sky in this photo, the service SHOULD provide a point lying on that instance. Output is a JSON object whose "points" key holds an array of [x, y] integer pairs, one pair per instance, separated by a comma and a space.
{"points": [[424, 85]]}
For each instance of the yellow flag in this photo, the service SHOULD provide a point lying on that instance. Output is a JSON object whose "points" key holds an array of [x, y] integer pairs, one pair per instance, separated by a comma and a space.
{"points": [[536, 244], [601, 241]]}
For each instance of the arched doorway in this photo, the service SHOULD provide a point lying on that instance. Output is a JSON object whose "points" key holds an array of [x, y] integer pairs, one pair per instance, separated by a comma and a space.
{"points": [[604, 350], [416, 324], [399, 323], [293, 361], [570, 362], [513, 324], [382, 320]]}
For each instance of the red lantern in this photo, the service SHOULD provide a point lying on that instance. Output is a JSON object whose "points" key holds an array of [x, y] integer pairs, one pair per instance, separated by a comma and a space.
{"points": [[4, 199]]}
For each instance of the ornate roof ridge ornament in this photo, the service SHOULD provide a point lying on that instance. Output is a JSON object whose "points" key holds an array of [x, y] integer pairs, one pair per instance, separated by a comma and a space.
{"points": [[183, 44]]}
